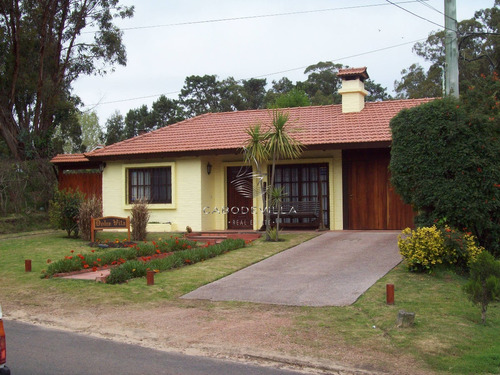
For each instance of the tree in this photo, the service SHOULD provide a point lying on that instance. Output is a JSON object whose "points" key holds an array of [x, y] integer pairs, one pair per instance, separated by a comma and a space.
{"points": [[278, 88], [292, 98], [281, 145], [165, 112], [42, 52], [115, 126], [322, 84], [416, 83], [257, 154], [138, 121], [444, 161], [483, 286], [200, 95], [92, 135], [479, 39], [254, 93]]}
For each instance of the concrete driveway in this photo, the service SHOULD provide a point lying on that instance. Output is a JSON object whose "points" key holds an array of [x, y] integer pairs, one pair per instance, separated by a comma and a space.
{"points": [[333, 269]]}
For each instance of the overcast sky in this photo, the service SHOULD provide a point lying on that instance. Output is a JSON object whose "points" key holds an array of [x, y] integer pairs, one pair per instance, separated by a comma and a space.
{"points": [[166, 43]]}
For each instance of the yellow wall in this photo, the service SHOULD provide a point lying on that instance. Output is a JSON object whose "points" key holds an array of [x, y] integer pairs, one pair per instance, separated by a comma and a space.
{"points": [[193, 190], [186, 194]]}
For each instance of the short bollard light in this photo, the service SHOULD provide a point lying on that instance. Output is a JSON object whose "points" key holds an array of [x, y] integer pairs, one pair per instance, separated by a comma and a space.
{"points": [[389, 288], [150, 277], [27, 265]]}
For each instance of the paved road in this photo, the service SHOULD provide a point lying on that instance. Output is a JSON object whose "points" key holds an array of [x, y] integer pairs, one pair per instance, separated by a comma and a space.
{"points": [[33, 350], [333, 269]]}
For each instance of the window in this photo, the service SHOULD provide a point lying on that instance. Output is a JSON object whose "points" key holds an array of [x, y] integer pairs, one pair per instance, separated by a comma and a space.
{"points": [[152, 184]]}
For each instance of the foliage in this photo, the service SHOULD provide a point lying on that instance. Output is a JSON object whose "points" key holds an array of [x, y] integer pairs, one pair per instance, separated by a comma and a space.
{"points": [[115, 129], [138, 121], [292, 98], [444, 161], [479, 55], [139, 220], [106, 258], [427, 247], [483, 286], [139, 268], [89, 208], [43, 51], [81, 134], [25, 186], [64, 210], [207, 93], [272, 145]]}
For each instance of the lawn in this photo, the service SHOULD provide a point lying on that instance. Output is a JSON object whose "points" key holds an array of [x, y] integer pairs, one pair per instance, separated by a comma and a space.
{"points": [[447, 336]]}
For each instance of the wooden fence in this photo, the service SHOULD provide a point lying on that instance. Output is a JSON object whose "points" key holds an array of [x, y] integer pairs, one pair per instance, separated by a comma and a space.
{"points": [[89, 184]]}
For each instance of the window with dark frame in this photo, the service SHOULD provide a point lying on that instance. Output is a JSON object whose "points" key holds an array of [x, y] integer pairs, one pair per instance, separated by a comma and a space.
{"points": [[151, 184]]}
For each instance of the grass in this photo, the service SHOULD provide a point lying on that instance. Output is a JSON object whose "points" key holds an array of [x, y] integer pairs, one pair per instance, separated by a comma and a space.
{"points": [[447, 337]]}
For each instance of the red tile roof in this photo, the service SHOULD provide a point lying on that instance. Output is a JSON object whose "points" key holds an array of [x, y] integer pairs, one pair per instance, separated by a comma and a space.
{"points": [[70, 158], [225, 132]]}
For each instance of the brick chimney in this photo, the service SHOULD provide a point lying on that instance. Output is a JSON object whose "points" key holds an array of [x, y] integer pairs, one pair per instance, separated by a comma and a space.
{"points": [[353, 89]]}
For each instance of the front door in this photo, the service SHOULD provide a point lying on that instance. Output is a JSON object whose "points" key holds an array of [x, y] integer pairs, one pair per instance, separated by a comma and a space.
{"points": [[239, 198]]}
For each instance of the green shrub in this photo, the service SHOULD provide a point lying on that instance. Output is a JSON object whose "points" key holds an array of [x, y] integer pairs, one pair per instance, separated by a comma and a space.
{"points": [[90, 208], [64, 210], [483, 286], [177, 259], [139, 221], [427, 247], [444, 161]]}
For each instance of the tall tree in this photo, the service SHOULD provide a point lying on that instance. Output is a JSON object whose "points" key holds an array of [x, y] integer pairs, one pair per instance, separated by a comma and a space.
{"points": [[92, 135], [254, 93], [200, 94], [138, 121], [292, 98], [43, 51], [322, 83], [115, 129], [479, 54], [165, 112]]}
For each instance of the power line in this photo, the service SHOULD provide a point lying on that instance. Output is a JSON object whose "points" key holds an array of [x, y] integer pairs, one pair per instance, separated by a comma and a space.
{"points": [[423, 2], [260, 76], [259, 16], [416, 15]]}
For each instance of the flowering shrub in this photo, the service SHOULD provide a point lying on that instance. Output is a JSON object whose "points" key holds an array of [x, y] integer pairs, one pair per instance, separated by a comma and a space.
{"points": [[427, 247]]}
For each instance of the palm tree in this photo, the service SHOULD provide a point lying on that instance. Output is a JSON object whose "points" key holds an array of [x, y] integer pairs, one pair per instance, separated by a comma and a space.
{"points": [[280, 145], [275, 144], [256, 153]]}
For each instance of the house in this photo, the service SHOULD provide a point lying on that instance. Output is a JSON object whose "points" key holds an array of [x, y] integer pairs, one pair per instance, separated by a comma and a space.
{"points": [[194, 175]]}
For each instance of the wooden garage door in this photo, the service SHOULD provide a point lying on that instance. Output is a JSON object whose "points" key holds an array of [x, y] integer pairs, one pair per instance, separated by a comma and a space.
{"points": [[369, 200]]}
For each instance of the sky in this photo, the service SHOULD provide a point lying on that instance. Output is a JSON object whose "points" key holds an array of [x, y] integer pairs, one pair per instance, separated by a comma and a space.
{"points": [[166, 42]]}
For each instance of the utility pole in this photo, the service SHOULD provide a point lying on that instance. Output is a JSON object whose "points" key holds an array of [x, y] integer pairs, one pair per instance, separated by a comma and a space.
{"points": [[451, 48]]}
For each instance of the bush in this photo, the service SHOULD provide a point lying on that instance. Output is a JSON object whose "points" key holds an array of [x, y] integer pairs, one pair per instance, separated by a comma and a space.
{"points": [[64, 210], [427, 247], [483, 286], [444, 161], [90, 208], [139, 220], [181, 258]]}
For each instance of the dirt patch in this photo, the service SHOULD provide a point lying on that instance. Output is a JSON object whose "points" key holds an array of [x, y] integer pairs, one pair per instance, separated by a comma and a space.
{"points": [[264, 334]]}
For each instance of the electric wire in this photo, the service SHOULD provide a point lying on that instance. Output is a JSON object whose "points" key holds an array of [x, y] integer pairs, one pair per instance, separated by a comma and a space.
{"points": [[260, 76], [419, 16], [258, 16]]}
